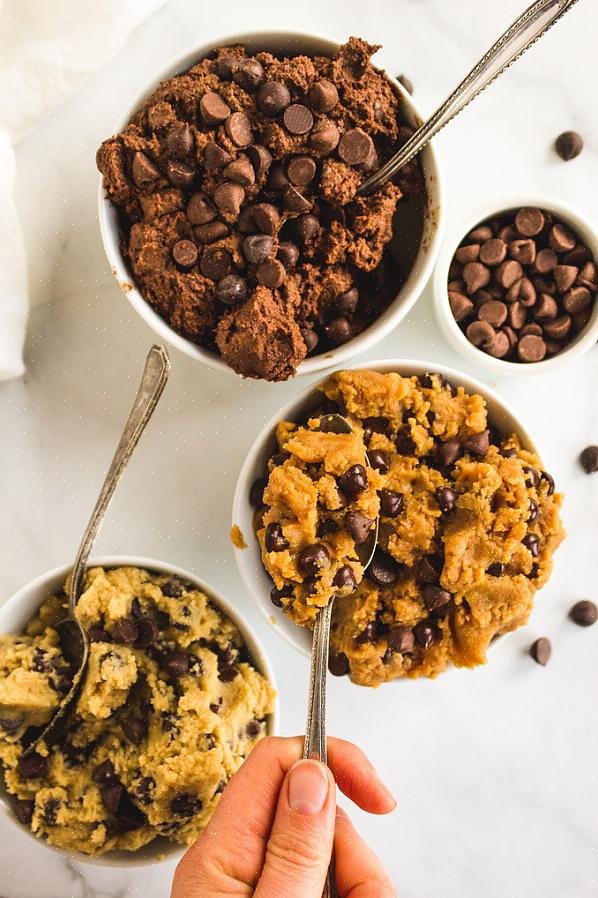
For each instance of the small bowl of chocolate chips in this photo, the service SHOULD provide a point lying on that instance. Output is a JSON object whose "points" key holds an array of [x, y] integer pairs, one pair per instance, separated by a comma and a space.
{"points": [[518, 292]]}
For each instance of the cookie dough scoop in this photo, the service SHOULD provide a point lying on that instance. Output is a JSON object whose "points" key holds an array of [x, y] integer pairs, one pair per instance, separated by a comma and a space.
{"points": [[73, 638], [315, 746]]}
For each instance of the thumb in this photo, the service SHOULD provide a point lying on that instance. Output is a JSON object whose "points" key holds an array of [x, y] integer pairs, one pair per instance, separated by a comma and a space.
{"points": [[300, 844]]}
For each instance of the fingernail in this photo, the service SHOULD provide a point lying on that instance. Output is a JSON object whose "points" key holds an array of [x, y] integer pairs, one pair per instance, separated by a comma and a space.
{"points": [[308, 787]]}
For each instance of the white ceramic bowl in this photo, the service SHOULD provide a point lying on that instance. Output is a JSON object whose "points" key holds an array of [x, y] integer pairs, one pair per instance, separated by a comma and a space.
{"points": [[451, 330], [281, 43], [17, 611], [249, 560]]}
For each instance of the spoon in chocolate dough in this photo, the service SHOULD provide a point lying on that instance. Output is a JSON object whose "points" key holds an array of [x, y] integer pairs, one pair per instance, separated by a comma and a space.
{"points": [[524, 32], [315, 731], [73, 638]]}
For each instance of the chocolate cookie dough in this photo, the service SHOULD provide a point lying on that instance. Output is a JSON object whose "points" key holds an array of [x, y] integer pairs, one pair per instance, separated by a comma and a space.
{"points": [[469, 521], [170, 707], [236, 187]]}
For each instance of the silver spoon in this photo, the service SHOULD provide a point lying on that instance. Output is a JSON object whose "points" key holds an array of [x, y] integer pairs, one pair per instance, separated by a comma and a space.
{"points": [[73, 638], [524, 32], [315, 745]]}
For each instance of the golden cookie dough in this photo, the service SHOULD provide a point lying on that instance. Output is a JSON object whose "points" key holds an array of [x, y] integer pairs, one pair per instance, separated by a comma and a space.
{"points": [[170, 708], [469, 521]]}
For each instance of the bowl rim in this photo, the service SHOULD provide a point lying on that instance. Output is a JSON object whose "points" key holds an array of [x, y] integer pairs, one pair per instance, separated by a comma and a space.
{"points": [[577, 221], [248, 560], [401, 305], [23, 601]]}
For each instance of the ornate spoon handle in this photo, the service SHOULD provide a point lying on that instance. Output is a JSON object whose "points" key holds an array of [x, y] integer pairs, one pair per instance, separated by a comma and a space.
{"points": [[528, 28]]}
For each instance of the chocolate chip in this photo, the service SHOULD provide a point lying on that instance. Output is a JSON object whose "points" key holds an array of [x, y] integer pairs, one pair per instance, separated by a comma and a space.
{"points": [[277, 179], [401, 639], [134, 728], [358, 525], [532, 543], [589, 459], [508, 273], [354, 480], [461, 306], [277, 595], [215, 156], [274, 538], [323, 95], [180, 141], [532, 478], [533, 512], [239, 130], [496, 569], [104, 774], [232, 290], [240, 171], [383, 570], [338, 664], [476, 276], [500, 347], [271, 273], [180, 174], [294, 200], [143, 170], [184, 253], [213, 109], [370, 634], [22, 809], [584, 613], [257, 248], [185, 805], [529, 221], [288, 253], [111, 796], [301, 170], [425, 634], [125, 631], [379, 460], [11, 725], [249, 73], [215, 263], [569, 145], [176, 663], [310, 338], [435, 597], [172, 589], [338, 331], [404, 442], [345, 578], [468, 253], [406, 82], [374, 424], [96, 633], [313, 559], [494, 312], [266, 218], [576, 300], [32, 765], [210, 232], [148, 632], [229, 197], [541, 650], [531, 348], [298, 119], [446, 498], [324, 136], [260, 158], [477, 443], [273, 97], [481, 234], [200, 209], [493, 251], [306, 228], [355, 146], [448, 452]]}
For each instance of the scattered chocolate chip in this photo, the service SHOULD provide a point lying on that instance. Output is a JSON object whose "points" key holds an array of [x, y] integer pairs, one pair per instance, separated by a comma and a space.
{"points": [[294, 200], [313, 559], [274, 538], [584, 613], [271, 273], [496, 569], [569, 145], [298, 119], [541, 650], [239, 129], [301, 170], [172, 589], [180, 141], [215, 156], [257, 248], [97, 633], [184, 253], [370, 634], [180, 174], [229, 197], [355, 146], [345, 578], [266, 218], [147, 632], [241, 171], [324, 136], [338, 664], [532, 543], [210, 232], [323, 95], [232, 290], [104, 774], [448, 452], [199, 209], [477, 443], [273, 97], [404, 442], [249, 73], [533, 512], [401, 639], [358, 525], [589, 459], [213, 109], [306, 228], [143, 170]]}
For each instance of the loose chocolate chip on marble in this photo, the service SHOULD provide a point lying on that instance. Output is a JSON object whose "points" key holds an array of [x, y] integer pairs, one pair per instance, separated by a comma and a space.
{"points": [[306, 228], [274, 538], [180, 174], [496, 569], [310, 338], [400, 639], [529, 221], [241, 171], [180, 141], [215, 156], [213, 108], [249, 74], [584, 613], [541, 650], [324, 136], [338, 664], [184, 253], [354, 480], [23, 809], [355, 146], [446, 498], [569, 145], [301, 170], [369, 634], [134, 728], [125, 631], [185, 805], [143, 170], [271, 273], [215, 263], [313, 559], [531, 348], [266, 218], [338, 331], [288, 254], [425, 633], [391, 503], [435, 597], [148, 632], [476, 276], [358, 525], [383, 570], [239, 129], [257, 248], [298, 119], [199, 209], [232, 290], [379, 460], [589, 459], [345, 578], [294, 200]]}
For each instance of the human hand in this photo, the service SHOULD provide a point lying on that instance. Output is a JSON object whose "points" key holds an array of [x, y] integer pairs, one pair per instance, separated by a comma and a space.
{"points": [[272, 833]]}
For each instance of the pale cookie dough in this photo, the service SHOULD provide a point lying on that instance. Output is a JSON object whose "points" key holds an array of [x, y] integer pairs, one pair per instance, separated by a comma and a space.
{"points": [[469, 521], [170, 708]]}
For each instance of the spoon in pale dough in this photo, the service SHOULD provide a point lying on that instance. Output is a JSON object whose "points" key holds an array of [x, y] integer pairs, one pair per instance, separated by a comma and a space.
{"points": [[524, 32], [73, 638]]}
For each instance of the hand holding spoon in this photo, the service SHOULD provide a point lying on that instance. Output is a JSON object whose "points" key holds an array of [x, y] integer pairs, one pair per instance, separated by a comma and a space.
{"points": [[73, 638], [524, 32]]}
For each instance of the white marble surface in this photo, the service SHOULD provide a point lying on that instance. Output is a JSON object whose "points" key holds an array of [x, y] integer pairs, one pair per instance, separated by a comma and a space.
{"points": [[494, 770]]}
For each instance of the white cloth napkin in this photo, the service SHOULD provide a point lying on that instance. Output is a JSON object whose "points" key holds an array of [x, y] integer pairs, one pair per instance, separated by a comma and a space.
{"points": [[47, 49]]}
